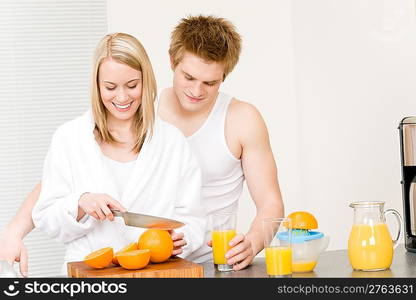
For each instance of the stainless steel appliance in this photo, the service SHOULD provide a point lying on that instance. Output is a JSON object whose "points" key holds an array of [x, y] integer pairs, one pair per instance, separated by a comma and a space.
{"points": [[407, 130]]}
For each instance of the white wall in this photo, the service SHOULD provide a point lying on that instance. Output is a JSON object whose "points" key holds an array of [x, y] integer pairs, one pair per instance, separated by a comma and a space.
{"points": [[332, 80], [355, 72]]}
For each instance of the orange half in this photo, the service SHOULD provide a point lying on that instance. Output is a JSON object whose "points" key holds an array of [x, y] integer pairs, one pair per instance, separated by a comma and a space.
{"points": [[135, 259], [99, 259], [303, 220], [129, 247]]}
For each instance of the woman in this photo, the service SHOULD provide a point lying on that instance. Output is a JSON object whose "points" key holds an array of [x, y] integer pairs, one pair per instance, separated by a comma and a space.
{"points": [[118, 156]]}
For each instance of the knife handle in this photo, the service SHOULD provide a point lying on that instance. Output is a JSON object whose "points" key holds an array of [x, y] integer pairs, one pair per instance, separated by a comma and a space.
{"points": [[117, 213]]}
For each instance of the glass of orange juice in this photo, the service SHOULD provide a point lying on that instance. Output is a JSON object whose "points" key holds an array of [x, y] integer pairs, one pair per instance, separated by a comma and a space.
{"points": [[223, 230], [278, 252]]}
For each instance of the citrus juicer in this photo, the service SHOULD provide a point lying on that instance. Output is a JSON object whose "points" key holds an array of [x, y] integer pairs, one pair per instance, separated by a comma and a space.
{"points": [[307, 245]]}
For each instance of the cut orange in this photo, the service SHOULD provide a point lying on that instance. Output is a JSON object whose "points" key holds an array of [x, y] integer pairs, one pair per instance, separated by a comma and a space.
{"points": [[135, 259], [303, 220], [129, 247], [159, 242], [99, 259]]}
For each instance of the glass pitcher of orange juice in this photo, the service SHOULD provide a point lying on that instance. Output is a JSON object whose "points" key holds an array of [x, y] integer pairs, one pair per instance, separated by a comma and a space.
{"points": [[370, 246]]}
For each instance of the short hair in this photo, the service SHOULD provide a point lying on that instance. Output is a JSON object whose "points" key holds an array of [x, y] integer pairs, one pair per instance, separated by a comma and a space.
{"points": [[211, 38], [127, 50]]}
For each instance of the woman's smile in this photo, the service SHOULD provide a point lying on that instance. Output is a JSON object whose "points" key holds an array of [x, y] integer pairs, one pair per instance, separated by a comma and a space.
{"points": [[122, 108]]}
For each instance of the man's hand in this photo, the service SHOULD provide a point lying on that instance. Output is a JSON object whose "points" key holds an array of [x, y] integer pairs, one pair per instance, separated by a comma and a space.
{"points": [[13, 250], [241, 253]]}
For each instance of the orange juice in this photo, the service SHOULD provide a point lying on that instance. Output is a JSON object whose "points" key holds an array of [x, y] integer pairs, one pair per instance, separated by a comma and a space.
{"points": [[278, 261], [220, 240], [370, 247], [303, 266]]}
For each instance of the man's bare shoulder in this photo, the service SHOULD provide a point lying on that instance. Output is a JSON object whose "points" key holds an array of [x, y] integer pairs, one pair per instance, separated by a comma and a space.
{"points": [[245, 120], [243, 111]]}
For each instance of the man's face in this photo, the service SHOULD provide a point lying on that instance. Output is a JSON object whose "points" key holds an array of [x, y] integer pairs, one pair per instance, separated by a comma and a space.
{"points": [[196, 82]]}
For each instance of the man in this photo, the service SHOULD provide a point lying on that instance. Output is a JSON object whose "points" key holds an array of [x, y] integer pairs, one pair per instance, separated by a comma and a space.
{"points": [[228, 137]]}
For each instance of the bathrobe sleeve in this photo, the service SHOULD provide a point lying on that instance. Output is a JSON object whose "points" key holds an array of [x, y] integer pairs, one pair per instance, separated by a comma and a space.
{"points": [[56, 211], [188, 206]]}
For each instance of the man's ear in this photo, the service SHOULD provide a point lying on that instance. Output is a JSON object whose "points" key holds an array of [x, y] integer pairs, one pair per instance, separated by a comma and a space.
{"points": [[171, 63]]}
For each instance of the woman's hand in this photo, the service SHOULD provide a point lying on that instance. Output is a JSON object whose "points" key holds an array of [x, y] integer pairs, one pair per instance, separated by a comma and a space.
{"points": [[98, 206], [12, 250], [241, 253], [178, 242]]}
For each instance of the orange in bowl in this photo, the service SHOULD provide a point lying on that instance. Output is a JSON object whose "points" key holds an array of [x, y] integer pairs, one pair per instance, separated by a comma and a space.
{"points": [[303, 220], [159, 242], [99, 259], [134, 259], [129, 247]]}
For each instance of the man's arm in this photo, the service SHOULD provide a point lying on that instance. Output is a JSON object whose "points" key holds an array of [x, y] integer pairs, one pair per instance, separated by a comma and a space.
{"points": [[22, 223], [260, 172], [12, 236], [259, 168]]}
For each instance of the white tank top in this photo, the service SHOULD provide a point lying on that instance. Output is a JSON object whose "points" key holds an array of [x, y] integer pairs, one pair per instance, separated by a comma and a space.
{"points": [[222, 172]]}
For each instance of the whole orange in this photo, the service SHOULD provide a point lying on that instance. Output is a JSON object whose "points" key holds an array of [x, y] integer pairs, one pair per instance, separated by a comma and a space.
{"points": [[99, 259], [158, 242]]}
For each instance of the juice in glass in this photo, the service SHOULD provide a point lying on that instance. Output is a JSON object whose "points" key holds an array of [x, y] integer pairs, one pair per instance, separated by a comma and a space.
{"points": [[370, 247], [278, 261], [278, 250], [220, 240]]}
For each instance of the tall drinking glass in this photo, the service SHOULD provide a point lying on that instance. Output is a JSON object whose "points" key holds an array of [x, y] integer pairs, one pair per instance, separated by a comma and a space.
{"points": [[223, 230], [278, 246]]}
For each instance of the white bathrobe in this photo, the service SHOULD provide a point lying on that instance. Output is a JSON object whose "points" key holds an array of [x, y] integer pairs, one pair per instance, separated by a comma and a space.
{"points": [[165, 182]]}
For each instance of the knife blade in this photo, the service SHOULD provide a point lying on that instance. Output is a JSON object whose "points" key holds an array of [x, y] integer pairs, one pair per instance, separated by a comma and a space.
{"points": [[147, 221]]}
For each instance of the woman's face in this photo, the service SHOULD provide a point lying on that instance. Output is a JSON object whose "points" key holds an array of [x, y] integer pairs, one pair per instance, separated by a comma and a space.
{"points": [[120, 88]]}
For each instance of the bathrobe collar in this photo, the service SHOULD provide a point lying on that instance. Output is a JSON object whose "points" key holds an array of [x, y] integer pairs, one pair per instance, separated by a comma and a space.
{"points": [[104, 181]]}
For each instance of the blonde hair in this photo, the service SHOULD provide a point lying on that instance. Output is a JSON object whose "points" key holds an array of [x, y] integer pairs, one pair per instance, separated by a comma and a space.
{"points": [[210, 38], [125, 49]]}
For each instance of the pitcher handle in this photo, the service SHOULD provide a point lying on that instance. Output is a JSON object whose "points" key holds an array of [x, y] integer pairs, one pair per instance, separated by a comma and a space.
{"points": [[399, 221]]}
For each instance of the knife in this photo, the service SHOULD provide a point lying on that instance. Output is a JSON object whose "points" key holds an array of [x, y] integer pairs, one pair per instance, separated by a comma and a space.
{"points": [[147, 221]]}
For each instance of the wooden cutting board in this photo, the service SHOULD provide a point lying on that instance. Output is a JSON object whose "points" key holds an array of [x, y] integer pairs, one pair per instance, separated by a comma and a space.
{"points": [[173, 268]]}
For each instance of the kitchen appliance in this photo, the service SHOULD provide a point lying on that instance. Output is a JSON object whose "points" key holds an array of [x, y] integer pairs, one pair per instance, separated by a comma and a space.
{"points": [[307, 245], [407, 131], [147, 221]]}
